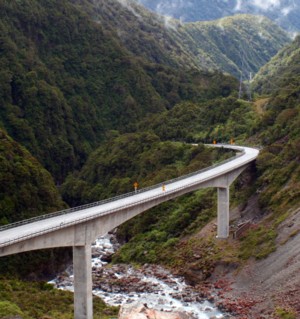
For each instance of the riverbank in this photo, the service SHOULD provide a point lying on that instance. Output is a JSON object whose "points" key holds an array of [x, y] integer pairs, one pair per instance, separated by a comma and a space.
{"points": [[150, 285], [266, 288]]}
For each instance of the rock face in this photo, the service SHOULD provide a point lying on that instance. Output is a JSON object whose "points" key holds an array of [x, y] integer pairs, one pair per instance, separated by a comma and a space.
{"points": [[136, 311]]}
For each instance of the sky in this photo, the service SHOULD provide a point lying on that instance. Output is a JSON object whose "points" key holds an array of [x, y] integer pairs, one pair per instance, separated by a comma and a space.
{"points": [[264, 5]]}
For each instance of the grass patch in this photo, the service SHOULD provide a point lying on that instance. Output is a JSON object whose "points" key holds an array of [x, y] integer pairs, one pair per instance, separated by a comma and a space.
{"points": [[258, 242], [8, 309], [36, 300], [283, 313]]}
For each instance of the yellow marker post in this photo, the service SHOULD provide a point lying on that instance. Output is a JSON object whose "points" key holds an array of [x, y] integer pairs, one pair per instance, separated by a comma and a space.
{"points": [[232, 141], [164, 188], [214, 142], [135, 185]]}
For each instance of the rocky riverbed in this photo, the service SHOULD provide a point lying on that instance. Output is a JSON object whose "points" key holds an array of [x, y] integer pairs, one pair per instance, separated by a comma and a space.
{"points": [[150, 285]]}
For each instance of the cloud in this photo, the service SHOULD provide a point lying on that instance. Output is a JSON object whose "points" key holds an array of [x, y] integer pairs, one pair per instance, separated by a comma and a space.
{"points": [[266, 4], [286, 11], [170, 23], [127, 5], [238, 6]]}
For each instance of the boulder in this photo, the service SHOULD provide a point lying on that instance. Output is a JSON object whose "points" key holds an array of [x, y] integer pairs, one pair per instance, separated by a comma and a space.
{"points": [[138, 311]]}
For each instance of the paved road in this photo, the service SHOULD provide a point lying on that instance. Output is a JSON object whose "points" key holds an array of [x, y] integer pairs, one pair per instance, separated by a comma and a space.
{"points": [[47, 225]]}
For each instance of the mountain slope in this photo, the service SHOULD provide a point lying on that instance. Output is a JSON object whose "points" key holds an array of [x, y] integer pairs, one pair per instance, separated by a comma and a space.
{"points": [[242, 43], [200, 45], [61, 90], [66, 80], [26, 188], [285, 12], [282, 72], [276, 281]]}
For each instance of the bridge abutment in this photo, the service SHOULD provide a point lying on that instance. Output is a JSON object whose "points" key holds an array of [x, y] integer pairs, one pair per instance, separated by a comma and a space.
{"points": [[83, 298]]}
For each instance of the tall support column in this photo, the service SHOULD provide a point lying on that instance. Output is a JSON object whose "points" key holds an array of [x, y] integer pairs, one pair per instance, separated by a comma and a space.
{"points": [[223, 212], [83, 302]]}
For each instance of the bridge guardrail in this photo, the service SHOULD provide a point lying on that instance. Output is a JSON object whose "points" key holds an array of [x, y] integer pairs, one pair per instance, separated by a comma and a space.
{"points": [[105, 201], [74, 222]]}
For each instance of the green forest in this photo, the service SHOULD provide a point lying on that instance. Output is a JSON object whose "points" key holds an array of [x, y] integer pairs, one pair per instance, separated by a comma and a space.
{"points": [[85, 111]]}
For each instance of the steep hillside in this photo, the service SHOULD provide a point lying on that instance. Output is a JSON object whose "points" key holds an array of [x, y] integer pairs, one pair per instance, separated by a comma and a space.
{"points": [[59, 82], [242, 43], [26, 188], [66, 80], [285, 12], [276, 281], [231, 44], [282, 72]]}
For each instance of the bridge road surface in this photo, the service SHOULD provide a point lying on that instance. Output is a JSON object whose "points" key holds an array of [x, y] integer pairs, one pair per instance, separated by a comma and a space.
{"points": [[37, 228]]}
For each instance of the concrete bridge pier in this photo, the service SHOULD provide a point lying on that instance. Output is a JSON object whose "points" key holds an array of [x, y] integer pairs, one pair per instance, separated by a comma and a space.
{"points": [[223, 212], [83, 298]]}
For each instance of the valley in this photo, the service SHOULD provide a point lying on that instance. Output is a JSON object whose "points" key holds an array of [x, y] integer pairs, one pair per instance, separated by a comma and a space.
{"points": [[97, 95]]}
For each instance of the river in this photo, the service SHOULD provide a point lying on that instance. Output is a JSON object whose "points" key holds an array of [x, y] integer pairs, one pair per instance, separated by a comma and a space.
{"points": [[150, 284]]}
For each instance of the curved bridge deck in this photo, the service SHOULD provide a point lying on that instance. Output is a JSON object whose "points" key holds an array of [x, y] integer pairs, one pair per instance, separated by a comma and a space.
{"points": [[79, 227]]}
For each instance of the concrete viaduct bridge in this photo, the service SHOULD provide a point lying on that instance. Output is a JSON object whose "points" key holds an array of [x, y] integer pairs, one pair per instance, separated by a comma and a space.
{"points": [[78, 227]]}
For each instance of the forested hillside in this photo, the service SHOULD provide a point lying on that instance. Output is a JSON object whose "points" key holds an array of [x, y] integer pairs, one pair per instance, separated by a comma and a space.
{"points": [[234, 44], [26, 188], [201, 45], [65, 81], [280, 126], [282, 72]]}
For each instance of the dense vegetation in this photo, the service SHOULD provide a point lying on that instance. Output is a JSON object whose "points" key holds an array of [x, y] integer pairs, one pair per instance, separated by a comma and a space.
{"points": [[114, 167], [280, 130], [235, 43], [41, 301], [66, 80], [220, 119], [26, 188], [281, 73]]}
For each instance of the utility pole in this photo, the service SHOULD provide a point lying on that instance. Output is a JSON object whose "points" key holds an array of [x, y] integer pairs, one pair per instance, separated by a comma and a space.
{"points": [[249, 87], [241, 86], [241, 77]]}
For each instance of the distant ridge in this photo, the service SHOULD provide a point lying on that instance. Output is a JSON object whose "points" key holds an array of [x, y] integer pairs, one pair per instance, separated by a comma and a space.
{"points": [[224, 44], [286, 13]]}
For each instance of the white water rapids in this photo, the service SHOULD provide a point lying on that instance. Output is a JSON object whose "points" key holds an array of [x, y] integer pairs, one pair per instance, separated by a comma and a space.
{"points": [[151, 285]]}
